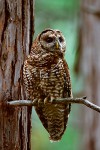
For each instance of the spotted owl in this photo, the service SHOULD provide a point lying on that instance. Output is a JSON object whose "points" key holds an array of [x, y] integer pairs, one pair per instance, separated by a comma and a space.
{"points": [[46, 77]]}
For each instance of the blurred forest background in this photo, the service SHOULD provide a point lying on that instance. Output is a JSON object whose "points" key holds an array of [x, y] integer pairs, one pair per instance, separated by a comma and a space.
{"points": [[62, 15], [65, 16]]}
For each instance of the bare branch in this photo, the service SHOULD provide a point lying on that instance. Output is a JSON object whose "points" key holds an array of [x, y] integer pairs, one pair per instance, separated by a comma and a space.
{"points": [[83, 101], [21, 103]]}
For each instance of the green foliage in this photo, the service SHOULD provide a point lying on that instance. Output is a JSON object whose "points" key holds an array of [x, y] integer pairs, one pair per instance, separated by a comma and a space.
{"points": [[62, 15], [56, 8], [53, 12]]}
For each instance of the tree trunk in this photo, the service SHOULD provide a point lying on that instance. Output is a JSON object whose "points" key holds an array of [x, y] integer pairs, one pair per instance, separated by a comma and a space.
{"points": [[90, 69], [16, 29]]}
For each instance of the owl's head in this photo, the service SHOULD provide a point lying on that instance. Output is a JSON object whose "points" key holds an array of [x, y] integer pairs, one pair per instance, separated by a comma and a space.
{"points": [[52, 41]]}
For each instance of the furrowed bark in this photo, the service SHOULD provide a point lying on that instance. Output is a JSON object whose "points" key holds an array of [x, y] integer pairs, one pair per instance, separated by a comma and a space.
{"points": [[16, 29]]}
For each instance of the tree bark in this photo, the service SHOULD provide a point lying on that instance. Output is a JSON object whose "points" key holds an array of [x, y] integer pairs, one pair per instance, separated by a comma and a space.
{"points": [[90, 69], [16, 29]]}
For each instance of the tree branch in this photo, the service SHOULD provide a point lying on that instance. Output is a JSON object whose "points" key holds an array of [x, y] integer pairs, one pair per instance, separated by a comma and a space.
{"points": [[83, 101]]}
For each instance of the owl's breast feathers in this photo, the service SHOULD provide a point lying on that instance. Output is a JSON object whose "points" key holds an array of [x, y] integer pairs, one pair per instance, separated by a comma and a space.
{"points": [[49, 78]]}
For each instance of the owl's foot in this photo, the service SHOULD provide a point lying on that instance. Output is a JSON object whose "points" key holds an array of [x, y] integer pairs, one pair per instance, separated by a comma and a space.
{"points": [[39, 102], [35, 101], [46, 100], [52, 99], [49, 99]]}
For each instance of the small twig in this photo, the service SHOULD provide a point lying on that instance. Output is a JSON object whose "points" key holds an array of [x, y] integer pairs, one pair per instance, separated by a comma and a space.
{"points": [[21, 103], [83, 101]]}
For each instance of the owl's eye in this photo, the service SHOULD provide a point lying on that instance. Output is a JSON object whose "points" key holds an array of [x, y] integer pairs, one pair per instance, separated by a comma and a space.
{"points": [[49, 39], [61, 39]]}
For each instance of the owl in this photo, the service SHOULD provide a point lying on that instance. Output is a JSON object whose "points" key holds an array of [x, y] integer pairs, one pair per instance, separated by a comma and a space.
{"points": [[47, 78]]}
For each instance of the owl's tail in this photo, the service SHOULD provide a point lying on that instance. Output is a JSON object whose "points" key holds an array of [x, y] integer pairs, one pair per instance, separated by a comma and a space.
{"points": [[56, 139], [54, 118], [56, 131], [57, 122]]}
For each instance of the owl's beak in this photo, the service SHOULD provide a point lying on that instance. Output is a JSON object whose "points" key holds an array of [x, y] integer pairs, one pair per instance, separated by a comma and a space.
{"points": [[57, 45]]}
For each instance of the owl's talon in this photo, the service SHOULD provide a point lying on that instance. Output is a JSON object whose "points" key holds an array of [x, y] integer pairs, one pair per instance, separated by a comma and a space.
{"points": [[35, 101], [52, 99], [39, 102], [46, 100]]}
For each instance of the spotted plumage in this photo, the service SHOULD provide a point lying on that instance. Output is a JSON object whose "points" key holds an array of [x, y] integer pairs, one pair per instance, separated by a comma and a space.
{"points": [[46, 77]]}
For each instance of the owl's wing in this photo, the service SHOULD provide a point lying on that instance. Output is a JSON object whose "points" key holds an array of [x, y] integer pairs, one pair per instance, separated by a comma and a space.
{"points": [[67, 83], [67, 92], [43, 119], [31, 81]]}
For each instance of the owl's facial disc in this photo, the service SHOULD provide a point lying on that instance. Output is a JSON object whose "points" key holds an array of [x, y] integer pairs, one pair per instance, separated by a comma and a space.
{"points": [[53, 41]]}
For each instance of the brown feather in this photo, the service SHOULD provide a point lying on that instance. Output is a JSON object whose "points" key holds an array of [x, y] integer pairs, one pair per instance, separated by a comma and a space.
{"points": [[46, 76]]}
